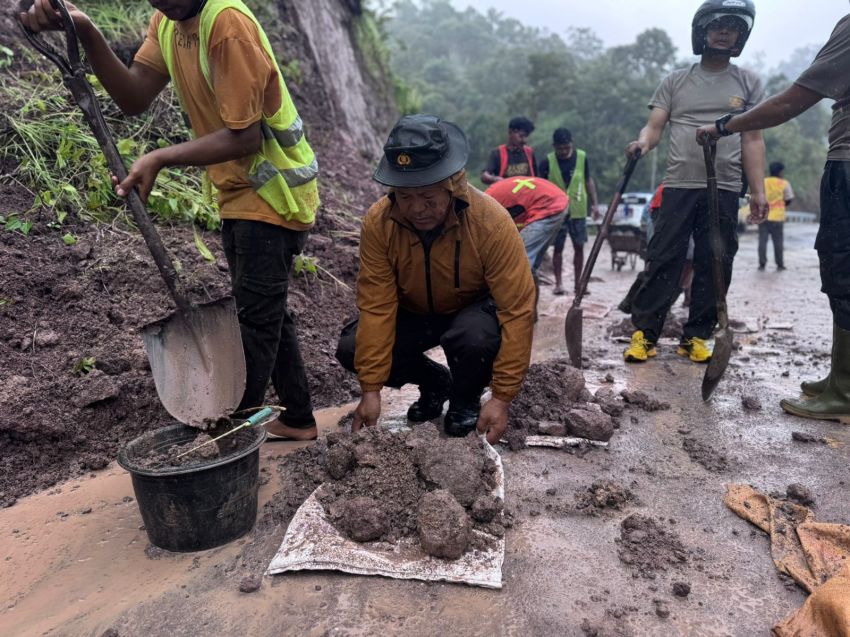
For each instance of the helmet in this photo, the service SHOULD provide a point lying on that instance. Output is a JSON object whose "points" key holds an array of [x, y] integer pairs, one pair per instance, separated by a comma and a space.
{"points": [[742, 11]]}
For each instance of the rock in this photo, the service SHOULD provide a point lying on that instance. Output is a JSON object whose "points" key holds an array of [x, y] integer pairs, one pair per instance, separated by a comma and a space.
{"points": [[95, 387], [547, 428], [363, 519], [444, 529], [46, 338], [486, 507], [339, 460], [643, 400], [591, 424], [681, 589], [800, 436], [751, 403], [573, 380], [250, 584], [661, 609], [800, 494]]}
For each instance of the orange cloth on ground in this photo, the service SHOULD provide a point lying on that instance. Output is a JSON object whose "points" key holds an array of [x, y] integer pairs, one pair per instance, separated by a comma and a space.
{"points": [[815, 554], [246, 88]]}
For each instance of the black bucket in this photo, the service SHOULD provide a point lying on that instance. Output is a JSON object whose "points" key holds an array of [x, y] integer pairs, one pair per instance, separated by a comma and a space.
{"points": [[200, 505]]}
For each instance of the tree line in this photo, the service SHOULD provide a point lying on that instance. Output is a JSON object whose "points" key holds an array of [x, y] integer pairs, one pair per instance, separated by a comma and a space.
{"points": [[480, 69]]}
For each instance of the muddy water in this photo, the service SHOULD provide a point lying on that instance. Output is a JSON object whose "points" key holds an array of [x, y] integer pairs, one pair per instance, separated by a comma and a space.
{"points": [[83, 573]]}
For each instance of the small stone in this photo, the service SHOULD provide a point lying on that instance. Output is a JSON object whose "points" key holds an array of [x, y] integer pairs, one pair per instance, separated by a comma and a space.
{"points": [[800, 494], [250, 584], [751, 403], [47, 338], [548, 428], [681, 589], [593, 425], [661, 609]]}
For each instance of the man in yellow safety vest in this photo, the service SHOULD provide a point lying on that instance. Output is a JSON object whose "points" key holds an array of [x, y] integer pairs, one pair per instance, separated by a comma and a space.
{"points": [[249, 136], [779, 196]]}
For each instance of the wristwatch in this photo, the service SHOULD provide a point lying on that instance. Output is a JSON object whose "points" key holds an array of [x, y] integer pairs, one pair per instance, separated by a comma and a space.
{"points": [[720, 125]]}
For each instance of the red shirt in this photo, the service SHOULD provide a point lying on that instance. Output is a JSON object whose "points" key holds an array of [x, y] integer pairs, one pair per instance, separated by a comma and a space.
{"points": [[540, 198]]}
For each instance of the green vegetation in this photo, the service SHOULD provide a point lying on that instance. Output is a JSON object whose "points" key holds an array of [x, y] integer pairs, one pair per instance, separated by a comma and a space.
{"points": [[479, 70], [84, 365]]}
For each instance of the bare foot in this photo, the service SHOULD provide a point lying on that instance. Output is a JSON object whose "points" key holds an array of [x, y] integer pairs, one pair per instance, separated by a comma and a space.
{"points": [[277, 430]]}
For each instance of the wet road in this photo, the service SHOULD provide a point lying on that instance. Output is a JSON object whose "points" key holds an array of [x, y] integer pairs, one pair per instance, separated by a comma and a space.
{"points": [[84, 573]]}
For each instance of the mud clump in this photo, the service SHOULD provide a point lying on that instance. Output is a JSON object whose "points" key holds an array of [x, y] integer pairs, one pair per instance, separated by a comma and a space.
{"points": [[250, 584], [644, 401], [681, 589], [751, 403], [800, 494], [486, 507], [339, 460], [603, 495], [362, 519], [648, 548], [554, 401], [443, 525], [800, 436], [704, 455], [201, 449]]}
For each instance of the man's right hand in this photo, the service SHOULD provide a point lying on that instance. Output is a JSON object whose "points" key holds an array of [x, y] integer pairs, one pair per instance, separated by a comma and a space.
{"points": [[631, 149], [368, 411], [41, 16]]}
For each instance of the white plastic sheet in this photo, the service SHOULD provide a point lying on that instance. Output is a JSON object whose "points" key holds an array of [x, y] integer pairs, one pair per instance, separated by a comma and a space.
{"points": [[312, 543]]}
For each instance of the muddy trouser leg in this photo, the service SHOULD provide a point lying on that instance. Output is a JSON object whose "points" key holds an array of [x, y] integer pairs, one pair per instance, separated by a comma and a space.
{"points": [[415, 334], [666, 254], [833, 242], [777, 233], [471, 343], [763, 236], [260, 256], [703, 309]]}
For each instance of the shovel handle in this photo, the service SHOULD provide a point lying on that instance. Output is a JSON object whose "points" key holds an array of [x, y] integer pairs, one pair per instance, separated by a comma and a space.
{"points": [[603, 228], [74, 77], [717, 248]]}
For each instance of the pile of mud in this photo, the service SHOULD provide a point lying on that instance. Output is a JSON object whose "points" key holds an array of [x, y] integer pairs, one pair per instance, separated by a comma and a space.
{"points": [[385, 486], [195, 451], [601, 496], [555, 401], [647, 547]]}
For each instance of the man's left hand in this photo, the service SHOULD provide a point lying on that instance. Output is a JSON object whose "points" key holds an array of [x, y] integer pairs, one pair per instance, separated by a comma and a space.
{"points": [[142, 176], [493, 419], [594, 211], [758, 208], [706, 133]]}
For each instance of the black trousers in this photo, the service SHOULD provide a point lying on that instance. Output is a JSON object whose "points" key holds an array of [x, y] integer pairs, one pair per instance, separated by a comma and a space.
{"points": [[470, 338], [684, 212], [775, 231], [833, 242], [260, 256]]}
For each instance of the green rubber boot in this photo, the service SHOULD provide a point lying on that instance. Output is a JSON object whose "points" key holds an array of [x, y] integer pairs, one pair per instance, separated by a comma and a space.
{"points": [[834, 402], [816, 387]]}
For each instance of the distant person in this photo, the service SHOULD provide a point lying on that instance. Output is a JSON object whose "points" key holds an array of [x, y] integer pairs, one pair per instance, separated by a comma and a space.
{"points": [[514, 159], [538, 208], [441, 264], [569, 168], [686, 99], [779, 196], [827, 77]]}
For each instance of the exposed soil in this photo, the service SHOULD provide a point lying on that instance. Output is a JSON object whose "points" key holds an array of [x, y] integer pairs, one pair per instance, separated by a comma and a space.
{"points": [[647, 547], [198, 450], [444, 528], [644, 401], [601, 496], [705, 455]]}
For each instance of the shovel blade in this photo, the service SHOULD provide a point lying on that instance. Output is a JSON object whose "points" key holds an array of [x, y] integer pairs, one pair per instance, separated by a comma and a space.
{"points": [[718, 363], [573, 334], [197, 362]]}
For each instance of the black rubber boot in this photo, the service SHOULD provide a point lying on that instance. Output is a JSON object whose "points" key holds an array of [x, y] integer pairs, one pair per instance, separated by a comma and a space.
{"points": [[834, 402], [462, 416], [816, 387], [433, 393]]}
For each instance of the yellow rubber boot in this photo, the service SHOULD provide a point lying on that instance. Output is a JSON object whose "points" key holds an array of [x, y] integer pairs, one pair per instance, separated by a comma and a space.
{"points": [[640, 349], [695, 349]]}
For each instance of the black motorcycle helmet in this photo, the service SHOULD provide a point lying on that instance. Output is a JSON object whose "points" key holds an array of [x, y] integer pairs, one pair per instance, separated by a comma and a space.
{"points": [[743, 12]]}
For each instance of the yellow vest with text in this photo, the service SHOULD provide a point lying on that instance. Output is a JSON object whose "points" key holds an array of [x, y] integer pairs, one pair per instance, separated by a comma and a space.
{"points": [[284, 172], [774, 190]]}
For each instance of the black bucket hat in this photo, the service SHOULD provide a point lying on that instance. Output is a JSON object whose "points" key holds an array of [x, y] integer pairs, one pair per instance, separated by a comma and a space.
{"points": [[422, 150]]}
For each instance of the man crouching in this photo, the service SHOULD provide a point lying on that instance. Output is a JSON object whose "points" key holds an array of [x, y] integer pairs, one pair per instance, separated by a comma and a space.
{"points": [[440, 264]]}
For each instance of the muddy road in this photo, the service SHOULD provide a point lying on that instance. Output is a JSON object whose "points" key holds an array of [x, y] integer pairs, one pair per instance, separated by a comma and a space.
{"points": [[629, 540]]}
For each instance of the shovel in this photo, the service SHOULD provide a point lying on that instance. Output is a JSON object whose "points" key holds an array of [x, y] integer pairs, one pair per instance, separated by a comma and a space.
{"points": [[723, 338], [195, 353], [573, 323]]}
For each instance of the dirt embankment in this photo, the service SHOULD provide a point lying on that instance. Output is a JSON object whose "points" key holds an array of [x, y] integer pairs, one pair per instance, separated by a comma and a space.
{"points": [[75, 384]]}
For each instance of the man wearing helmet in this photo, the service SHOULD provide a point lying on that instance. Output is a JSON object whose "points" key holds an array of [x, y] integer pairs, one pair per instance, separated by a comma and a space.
{"points": [[689, 98], [826, 77]]}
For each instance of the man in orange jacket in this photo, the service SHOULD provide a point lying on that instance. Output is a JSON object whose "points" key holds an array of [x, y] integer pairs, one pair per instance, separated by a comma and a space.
{"points": [[440, 264]]}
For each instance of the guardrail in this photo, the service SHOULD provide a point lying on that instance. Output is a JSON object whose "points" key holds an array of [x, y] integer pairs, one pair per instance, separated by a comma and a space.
{"points": [[801, 217]]}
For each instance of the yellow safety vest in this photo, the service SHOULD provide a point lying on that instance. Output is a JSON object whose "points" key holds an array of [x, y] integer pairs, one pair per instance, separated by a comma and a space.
{"points": [[284, 172], [774, 189]]}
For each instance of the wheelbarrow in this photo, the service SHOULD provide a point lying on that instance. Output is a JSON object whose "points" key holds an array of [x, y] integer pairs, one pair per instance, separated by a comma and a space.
{"points": [[195, 352]]}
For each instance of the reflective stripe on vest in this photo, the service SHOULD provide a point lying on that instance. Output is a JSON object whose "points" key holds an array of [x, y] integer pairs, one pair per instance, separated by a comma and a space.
{"points": [[503, 161], [576, 190], [284, 172]]}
